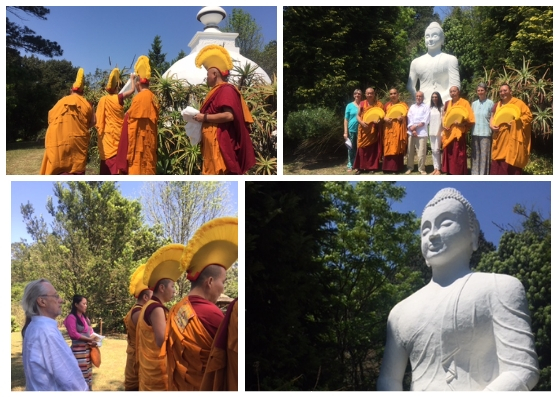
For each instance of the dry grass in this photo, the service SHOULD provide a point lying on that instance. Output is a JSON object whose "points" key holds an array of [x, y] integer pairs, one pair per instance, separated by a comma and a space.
{"points": [[25, 158], [108, 377]]}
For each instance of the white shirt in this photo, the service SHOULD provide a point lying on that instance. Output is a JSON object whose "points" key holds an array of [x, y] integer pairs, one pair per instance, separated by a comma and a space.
{"points": [[48, 361], [435, 122], [418, 114]]}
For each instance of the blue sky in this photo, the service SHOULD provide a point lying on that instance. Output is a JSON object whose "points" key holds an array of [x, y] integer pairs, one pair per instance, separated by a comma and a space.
{"points": [[37, 192], [90, 35], [492, 201]]}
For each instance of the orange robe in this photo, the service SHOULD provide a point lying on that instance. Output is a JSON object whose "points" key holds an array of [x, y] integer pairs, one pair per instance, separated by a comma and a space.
{"points": [[152, 363], [370, 135], [67, 138], [188, 345], [142, 134], [131, 370], [512, 142], [110, 115], [226, 147], [222, 370], [456, 132], [395, 134]]}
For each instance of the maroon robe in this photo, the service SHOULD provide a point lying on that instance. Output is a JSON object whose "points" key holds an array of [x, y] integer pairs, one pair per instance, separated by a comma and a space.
{"points": [[233, 137]]}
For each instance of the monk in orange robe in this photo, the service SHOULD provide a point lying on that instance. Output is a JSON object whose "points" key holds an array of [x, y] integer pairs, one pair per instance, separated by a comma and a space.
{"points": [[395, 136], [137, 150], [510, 151], [191, 329], [226, 145], [143, 295], [222, 369], [67, 137], [369, 137], [455, 159], [110, 116], [150, 336]]}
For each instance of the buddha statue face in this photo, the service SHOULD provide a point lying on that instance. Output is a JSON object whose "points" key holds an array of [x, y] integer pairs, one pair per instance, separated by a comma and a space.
{"points": [[445, 233], [434, 37]]}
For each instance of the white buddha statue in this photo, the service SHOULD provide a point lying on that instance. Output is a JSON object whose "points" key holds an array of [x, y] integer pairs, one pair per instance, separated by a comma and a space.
{"points": [[463, 330], [436, 70]]}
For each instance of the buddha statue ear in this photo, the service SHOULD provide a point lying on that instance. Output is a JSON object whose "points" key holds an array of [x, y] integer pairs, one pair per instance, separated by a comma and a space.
{"points": [[475, 239]]}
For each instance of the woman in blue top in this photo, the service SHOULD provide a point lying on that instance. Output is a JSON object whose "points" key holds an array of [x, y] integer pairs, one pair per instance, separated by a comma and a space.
{"points": [[351, 126], [481, 132]]}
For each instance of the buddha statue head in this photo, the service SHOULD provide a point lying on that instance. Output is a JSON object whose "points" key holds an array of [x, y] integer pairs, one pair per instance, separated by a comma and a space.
{"points": [[449, 229]]}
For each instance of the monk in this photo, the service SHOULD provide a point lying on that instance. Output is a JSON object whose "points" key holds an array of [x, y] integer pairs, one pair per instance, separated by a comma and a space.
{"points": [[192, 326], [222, 370], [369, 137], [67, 137], [455, 158], [137, 151], [395, 136], [110, 116], [226, 145], [142, 294], [150, 335], [512, 141]]}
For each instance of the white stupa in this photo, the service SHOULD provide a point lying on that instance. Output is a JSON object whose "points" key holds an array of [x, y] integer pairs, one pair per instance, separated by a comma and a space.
{"points": [[186, 69]]}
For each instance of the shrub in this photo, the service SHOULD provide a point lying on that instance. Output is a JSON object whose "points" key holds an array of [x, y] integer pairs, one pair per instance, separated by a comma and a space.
{"points": [[539, 165], [312, 124]]}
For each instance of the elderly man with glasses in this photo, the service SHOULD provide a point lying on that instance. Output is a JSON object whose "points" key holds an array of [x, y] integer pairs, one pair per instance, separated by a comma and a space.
{"points": [[48, 362]]}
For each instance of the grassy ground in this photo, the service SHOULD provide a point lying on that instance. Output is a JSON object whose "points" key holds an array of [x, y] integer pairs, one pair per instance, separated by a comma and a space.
{"points": [[25, 158], [337, 165], [108, 377]]}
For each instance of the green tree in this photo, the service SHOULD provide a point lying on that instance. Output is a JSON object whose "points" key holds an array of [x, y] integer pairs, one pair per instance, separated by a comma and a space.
{"points": [[21, 37], [180, 56], [267, 59], [36, 86], [95, 242], [511, 34], [249, 40], [286, 286], [526, 255], [157, 57], [368, 250], [328, 52], [180, 208], [462, 41]]}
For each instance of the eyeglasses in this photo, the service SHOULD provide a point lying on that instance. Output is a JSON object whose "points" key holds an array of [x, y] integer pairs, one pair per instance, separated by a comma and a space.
{"points": [[56, 296]]}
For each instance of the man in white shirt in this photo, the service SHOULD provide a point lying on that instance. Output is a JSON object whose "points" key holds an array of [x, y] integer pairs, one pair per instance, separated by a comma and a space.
{"points": [[48, 361], [418, 118]]}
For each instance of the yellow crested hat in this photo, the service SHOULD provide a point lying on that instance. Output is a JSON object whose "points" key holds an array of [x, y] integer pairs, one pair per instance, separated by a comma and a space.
{"points": [[164, 263], [80, 80], [137, 284], [215, 56], [215, 243], [114, 80], [142, 69]]}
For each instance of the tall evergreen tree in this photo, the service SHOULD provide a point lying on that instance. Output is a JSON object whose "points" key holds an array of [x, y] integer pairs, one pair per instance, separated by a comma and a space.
{"points": [[23, 38], [157, 57]]}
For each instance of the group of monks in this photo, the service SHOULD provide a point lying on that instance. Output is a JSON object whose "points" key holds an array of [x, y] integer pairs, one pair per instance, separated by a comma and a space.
{"points": [[386, 139], [128, 142], [193, 346]]}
